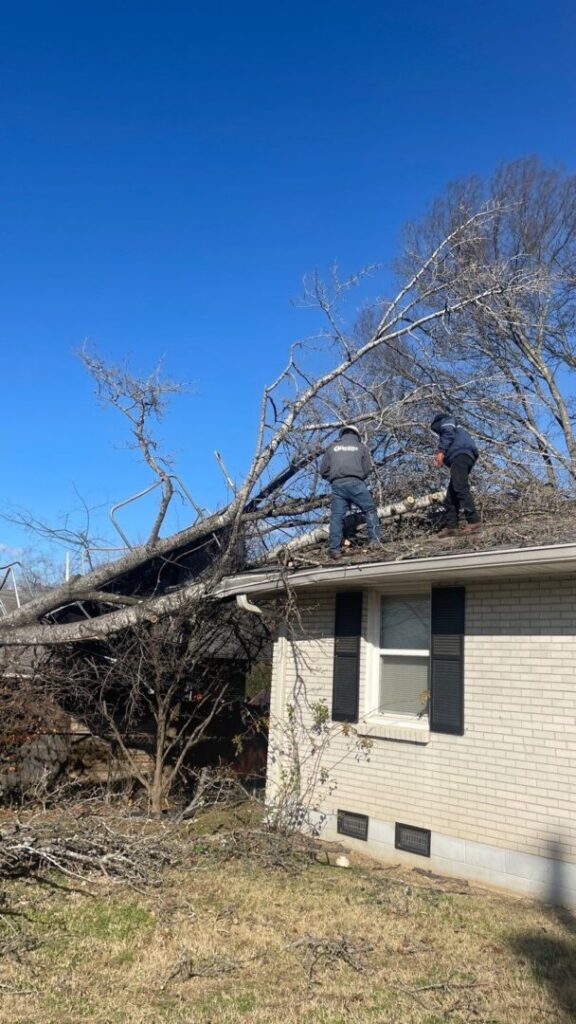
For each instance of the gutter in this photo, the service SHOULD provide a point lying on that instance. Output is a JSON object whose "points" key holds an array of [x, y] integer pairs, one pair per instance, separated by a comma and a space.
{"points": [[480, 564]]}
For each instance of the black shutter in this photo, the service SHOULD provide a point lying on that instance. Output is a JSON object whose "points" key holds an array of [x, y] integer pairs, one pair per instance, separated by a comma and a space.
{"points": [[447, 661], [347, 630]]}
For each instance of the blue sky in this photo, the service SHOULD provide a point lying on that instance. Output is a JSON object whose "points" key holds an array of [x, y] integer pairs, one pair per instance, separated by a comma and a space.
{"points": [[170, 171]]}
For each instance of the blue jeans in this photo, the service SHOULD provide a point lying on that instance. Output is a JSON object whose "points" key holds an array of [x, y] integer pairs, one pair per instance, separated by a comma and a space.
{"points": [[348, 491]]}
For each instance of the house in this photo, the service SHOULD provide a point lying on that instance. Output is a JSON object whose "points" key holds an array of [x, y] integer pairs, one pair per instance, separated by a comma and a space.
{"points": [[433, 704]]}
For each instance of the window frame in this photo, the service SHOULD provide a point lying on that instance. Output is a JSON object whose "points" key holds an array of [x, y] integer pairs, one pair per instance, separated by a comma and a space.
{"points": [[373, 716]]}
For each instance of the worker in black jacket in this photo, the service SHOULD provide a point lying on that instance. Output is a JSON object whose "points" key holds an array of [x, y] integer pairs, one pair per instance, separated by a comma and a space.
{"points": [[346, 464], [457, 450]]}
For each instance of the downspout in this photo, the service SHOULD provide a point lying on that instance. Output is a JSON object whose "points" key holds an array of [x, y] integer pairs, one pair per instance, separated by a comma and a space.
{"points": [[246, 605]]}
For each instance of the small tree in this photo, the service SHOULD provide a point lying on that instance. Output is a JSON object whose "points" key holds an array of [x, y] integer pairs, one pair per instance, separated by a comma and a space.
{"points": [[158, 687]]}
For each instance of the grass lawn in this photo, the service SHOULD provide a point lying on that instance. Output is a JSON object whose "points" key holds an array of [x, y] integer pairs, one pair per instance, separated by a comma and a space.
{"points": [[231, 936]]}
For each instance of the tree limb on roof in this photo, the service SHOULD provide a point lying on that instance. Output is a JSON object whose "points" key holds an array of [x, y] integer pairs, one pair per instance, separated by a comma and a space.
{"points": [[312, 537]]}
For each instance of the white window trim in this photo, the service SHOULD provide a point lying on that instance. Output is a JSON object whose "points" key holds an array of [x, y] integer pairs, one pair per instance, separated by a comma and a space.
{"points": [[411, 652], [375, 723]]}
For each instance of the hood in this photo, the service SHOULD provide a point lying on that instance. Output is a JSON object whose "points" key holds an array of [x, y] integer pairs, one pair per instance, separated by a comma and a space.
{"points": [[439, 420]]}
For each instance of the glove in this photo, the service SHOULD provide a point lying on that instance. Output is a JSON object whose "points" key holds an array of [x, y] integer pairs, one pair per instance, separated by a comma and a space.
{"points": [[439, 459]]}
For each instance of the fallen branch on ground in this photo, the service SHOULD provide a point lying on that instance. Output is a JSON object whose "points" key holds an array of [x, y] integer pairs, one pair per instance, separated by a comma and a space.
{"points": [[271, 850], [88, 848], [190, 966], [325, 952]]}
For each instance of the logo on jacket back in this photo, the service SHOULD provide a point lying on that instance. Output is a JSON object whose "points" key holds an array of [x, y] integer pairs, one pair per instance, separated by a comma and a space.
{"points": [[346, 448]]}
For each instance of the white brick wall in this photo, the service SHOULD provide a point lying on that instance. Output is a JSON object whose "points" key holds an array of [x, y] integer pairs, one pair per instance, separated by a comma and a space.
{"points": [[510, 781]]}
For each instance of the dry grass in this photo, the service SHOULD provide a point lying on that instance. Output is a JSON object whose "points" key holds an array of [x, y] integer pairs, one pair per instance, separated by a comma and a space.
{"points": [[230, 938]]}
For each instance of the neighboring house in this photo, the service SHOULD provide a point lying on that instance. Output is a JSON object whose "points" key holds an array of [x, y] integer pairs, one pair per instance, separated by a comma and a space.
{"points": [[459, 673]]}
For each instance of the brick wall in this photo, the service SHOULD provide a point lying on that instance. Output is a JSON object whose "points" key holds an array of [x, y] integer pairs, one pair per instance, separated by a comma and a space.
{"points": [[510, 781]]}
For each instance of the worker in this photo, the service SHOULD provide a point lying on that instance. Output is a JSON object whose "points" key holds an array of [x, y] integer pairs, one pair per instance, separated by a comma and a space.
{"points": [[346, 463], [457, 450]]}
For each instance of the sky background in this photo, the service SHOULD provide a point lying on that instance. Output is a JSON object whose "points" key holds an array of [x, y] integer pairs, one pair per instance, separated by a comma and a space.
{"points": [[169, 172]]}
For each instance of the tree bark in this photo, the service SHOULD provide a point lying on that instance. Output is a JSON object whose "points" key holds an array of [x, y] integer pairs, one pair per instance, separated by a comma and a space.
{"points": [[38, 635]]}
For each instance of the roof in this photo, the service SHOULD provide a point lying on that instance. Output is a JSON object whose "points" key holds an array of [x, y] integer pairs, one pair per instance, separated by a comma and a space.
{"points": [[509, 545]]}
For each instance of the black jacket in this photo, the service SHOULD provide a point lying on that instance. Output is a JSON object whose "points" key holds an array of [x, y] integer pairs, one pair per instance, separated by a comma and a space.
{"points": [[346, 457], [452, 439]]}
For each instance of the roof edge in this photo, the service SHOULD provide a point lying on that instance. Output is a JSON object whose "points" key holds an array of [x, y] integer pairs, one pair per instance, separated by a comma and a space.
{"points": [[543, 559]]}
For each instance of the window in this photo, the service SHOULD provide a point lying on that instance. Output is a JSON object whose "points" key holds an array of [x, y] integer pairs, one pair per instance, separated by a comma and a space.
{"points": [[414, 657], [404, 655]]}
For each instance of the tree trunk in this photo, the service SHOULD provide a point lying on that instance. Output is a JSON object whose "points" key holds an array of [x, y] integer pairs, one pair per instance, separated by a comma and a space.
{"points": [[156, 793]]}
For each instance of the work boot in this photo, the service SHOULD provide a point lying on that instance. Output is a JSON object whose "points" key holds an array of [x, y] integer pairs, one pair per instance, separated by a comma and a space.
{"points": [[447, 531], [472, 528], [335, 556]]}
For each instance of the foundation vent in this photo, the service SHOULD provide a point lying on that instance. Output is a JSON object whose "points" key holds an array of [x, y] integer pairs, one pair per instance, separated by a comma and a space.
{"points": [[353, 825], [412, 839]]}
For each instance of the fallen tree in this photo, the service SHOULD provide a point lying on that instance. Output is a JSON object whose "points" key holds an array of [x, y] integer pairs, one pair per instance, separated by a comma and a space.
{"points": [[386, 378]]}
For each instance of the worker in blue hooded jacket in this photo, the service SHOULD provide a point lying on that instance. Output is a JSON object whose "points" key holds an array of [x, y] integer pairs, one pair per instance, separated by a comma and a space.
{"points": [[457, 450]]}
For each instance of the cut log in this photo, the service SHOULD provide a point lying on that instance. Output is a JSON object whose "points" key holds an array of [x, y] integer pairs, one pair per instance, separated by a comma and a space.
{"points": [[320, 533]]}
